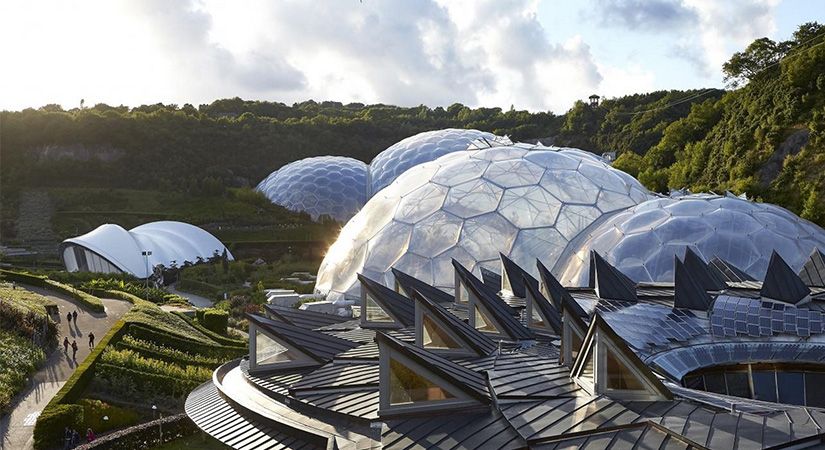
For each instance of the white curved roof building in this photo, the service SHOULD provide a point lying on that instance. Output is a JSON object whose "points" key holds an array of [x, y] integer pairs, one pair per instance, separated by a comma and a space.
{"points": [[110, 248], [418, 149], [334, 186], [642, 241], [524, 201]]}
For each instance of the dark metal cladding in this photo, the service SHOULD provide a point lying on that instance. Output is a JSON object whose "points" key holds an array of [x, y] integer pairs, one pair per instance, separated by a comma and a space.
{"points": [[813, 272], [397, 305], [490, 278], [610, 282], [699, 271], [688, 291], [728, 271], [304, 319], [781, 283], [557, 292], [547, 310], [469, 381], [408, 283], [502, 312], [516, 276], [320, 346], [473, 339]]}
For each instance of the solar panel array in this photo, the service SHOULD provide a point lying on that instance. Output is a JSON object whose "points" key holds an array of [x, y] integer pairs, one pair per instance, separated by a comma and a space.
{"points": [[732, 316], [645, 324]]}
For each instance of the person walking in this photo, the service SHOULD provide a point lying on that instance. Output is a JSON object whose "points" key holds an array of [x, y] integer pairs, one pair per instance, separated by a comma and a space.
{"points": [[74, 350], [90, 435], [67, 438], [75, 438], [69, 318], [91, 340], [66, 345], [74, 315]]}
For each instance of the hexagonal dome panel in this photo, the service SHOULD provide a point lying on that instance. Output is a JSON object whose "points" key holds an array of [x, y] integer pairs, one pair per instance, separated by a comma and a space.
{"points": [[334, 186], [418, 149], [642, 241], [471, 205]]}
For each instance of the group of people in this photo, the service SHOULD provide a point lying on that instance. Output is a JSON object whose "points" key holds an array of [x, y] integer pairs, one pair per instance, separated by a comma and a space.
{"points": [[71, 438], [69, 317]]}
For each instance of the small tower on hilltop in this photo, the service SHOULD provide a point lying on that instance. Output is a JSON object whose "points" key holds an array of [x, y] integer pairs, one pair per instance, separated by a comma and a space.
{"points": [[594, 100]]}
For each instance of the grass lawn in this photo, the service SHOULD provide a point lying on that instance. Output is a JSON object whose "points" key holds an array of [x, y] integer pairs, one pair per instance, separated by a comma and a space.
{"points": [[199, 441]]}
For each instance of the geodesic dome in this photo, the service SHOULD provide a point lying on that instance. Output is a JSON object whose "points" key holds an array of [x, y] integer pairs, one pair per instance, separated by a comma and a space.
{"points": [[418, 149], [335, 186], [524, 201], [642, 241]]}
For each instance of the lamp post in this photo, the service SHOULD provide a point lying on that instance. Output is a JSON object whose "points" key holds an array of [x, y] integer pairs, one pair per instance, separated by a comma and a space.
{"points": [[146, 254], [160, 425]]}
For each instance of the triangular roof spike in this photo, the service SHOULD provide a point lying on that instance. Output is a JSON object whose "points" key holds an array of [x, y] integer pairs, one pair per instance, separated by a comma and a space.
{"points": [[383, 307], [296, 346], [688, 292], [698, 268], [783, 284], [728, 271], [414, 380], [610, 282], [490, 278], [409, 282], [540, 313], [606, 365], [487, 312], [573, 332], [464, 278], [555, 292], [513, 277], [813, 272], [434, 319]]}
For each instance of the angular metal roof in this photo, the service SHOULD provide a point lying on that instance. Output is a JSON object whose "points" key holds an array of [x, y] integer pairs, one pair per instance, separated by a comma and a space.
{"points": [[558, 294], [689, 292], [609, 282], [398, 306], [813, 272], [548, 311], [320, 346], [490, 278], [782, 283], [474, 339], [516, 276], [699, 270], [408, 283], [304, 319], [728, 271]]}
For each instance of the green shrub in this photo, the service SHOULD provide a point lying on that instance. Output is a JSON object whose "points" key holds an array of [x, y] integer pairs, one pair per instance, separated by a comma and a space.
{"points": [[147, 383], [24, 277], [133, 360], [147, 333], [215, 320], [94, 410], [89, 300], [20, 358], [50, 427], [138, 290], [151, 315], [120, 295]]}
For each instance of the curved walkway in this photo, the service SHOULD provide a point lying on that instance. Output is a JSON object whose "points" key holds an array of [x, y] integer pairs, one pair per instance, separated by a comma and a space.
{"points": [[16, 428], [195, 299]]}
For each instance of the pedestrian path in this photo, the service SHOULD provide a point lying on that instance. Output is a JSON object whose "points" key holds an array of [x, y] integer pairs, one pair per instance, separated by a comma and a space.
{"points": [[16, 428]]}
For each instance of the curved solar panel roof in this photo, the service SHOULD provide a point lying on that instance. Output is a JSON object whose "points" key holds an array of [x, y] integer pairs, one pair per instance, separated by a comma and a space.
{"points": [[418, 149], [167, 240], [334, 186], [643, 241], [524, 201]]}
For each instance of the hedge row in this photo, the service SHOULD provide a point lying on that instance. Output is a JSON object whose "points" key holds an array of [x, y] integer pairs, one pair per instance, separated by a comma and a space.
{"points": [[219, 338], [147, 381], [59, 413], [207, 290], [145, 435], [150, 350], [143, 332], [119, 295], [90, 301]]}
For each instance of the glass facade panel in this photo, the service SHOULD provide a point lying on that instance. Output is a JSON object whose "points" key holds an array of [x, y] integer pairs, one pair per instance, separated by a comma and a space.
{"points": [[715, 382], [376, 313], [535, 318], [619, 376], [815, 389], [790, 387], [434, 336], [577, 343], [463, 295], [587, 370], [764, 386], [407, 386], [270, 351], [738, 384]]}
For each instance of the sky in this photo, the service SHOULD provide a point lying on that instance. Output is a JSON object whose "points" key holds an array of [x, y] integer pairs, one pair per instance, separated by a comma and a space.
{"points": [[530, 54]]}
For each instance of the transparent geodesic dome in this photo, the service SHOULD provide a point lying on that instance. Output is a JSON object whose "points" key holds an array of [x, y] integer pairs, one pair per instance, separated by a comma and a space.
{"points": [[525, 201], [418, 149], [334, 186], [642, 241]]}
